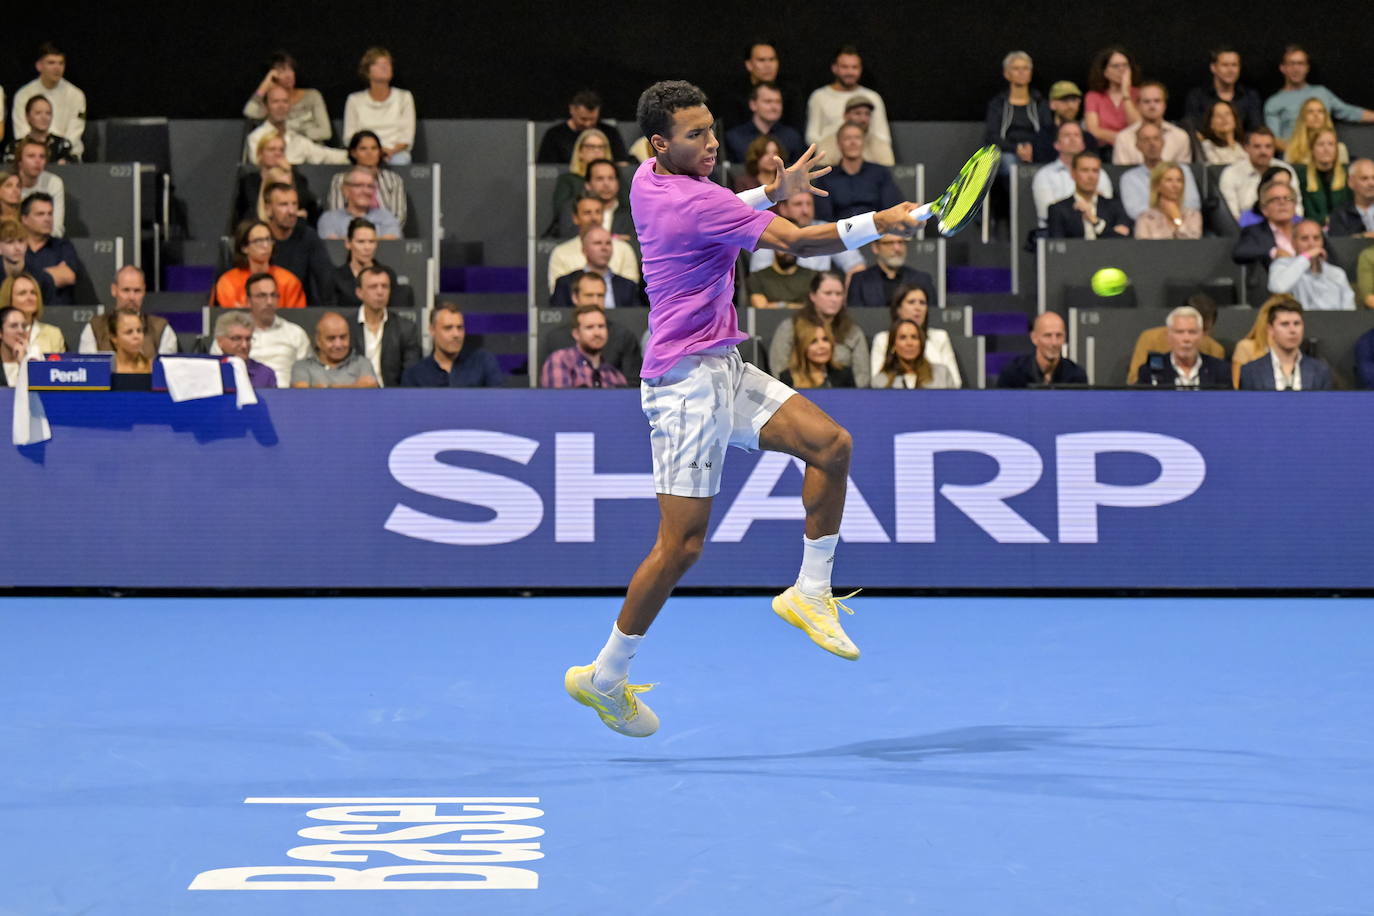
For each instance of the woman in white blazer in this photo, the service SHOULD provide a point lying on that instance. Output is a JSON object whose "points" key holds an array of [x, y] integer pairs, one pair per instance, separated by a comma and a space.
{"points": [[910, 302]]}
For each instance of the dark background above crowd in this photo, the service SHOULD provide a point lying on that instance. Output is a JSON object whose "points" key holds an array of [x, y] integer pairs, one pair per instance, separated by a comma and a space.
{"points": [[931, 61]]}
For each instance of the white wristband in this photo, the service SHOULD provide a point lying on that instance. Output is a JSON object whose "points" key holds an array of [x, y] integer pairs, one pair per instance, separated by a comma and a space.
{"points": [[858, 231], [756, 198]]}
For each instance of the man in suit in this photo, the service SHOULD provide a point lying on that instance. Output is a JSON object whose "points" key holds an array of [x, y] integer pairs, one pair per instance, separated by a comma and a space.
{"points": [[1184, 365], [1284, 368], [1260, 244], [390, 342], [1356, 217], [875, 286], [597, 248], [1087, 214], [1156, 340]]}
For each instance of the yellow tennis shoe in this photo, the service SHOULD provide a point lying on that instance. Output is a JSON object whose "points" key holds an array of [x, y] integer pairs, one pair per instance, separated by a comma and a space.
{"points": [[620, 709], [819, 617]]}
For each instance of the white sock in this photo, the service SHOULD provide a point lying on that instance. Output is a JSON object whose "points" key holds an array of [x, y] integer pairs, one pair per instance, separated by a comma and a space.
{"points": [[818, 557], [613, 664]]}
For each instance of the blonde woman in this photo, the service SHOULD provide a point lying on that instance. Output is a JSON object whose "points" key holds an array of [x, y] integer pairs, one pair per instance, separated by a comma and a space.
{"points": [[1312, 117], [812, 364], [905, 365], [272, 167], [912, 304], [1167, 217], [589, 146], [1256, 343], [1322, 180], [22, 292]]}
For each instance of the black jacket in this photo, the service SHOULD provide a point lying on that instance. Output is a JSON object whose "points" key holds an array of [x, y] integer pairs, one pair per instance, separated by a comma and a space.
{"points": [[867, 288], [1345, 221], [400, 346], [1064, 222], [625, 291], [304, 254]]}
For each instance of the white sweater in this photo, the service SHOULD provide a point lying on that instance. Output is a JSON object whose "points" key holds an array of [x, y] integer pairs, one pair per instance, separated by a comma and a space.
{"points": [[68, 111], [393, 120]]}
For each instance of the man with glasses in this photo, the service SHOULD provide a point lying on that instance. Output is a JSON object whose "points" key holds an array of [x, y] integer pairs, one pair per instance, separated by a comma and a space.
{"points": [[1284, 368], [360, 201], [276, 342], [1261, 243], [234, 337], [1239, 181], [583, 364]]}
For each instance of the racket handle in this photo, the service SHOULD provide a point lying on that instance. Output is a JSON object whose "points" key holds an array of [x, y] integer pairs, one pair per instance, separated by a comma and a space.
{"points": [[921, 213]]}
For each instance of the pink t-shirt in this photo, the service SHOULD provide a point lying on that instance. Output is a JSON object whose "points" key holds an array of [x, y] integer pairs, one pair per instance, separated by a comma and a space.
{"points": [[690, 233], [1109, 116]]}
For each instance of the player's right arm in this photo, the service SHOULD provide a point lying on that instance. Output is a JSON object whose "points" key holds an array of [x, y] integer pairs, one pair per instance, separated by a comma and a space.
{"points": [[809, 241]]}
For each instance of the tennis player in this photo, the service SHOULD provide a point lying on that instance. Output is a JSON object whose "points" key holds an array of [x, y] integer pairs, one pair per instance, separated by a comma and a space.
{"points": [[700, 397]]}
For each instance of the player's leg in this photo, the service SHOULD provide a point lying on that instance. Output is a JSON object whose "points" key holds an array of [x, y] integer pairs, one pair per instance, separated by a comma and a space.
{"points": [[681, 535]]}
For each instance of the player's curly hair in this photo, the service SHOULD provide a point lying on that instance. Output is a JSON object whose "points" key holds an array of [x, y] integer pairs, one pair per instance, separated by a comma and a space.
{"points": [[657, 104]]}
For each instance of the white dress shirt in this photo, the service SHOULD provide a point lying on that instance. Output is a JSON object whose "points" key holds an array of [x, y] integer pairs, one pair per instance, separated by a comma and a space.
{"points": [[1187, 378], [1054, 182], [372, 342], [1282, 382], [1239, 185]]}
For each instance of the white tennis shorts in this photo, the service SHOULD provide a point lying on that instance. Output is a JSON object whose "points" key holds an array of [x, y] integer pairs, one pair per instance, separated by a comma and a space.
{"points": [[706, 402]]}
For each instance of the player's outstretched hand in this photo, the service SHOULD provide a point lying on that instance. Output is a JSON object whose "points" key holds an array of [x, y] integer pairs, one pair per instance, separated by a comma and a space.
{"points": [[898, 220], [798, 178]]}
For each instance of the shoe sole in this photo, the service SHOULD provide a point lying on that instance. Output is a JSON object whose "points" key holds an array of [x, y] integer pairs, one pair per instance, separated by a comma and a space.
{"points": [[785, 611]]}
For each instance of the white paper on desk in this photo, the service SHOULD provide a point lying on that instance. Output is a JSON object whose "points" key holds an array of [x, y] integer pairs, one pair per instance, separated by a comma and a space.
{"points": [[30, 422], [243, 385], [189, 378]]}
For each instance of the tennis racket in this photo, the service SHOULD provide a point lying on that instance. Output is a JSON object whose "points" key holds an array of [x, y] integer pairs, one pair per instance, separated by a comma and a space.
{"points": [[956, 208]]}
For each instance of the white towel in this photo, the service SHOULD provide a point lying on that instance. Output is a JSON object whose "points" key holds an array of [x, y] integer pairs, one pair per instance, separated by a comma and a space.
{"points": [[189, 377], [243, 385], [30, 422]]}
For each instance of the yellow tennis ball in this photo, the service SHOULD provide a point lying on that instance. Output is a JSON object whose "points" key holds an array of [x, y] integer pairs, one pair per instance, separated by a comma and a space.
{"points": [[1110, 281]]}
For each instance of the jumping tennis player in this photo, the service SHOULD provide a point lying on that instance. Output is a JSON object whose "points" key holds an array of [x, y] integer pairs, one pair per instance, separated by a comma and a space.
{"points": [[700, 397]]}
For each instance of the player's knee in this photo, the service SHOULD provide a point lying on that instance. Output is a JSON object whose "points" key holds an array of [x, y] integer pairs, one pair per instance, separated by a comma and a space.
{"points": [[683, 552], [835, 456]]}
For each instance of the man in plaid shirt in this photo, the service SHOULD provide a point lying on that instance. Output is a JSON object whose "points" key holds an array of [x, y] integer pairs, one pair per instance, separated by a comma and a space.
{"points": [[581, 365]]}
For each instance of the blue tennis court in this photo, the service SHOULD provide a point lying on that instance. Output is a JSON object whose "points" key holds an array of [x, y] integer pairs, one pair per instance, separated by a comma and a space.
{"points": [[1045, 756]]}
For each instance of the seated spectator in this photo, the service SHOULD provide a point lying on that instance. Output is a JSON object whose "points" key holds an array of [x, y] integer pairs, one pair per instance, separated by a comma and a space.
{"points": [[583, 365], [1178, 146], [811, 363], [1087, 214], [68, 102], [22, 292], [334, 364], [1110, 105], [1183, 364], [381, 108], [300, 149], [49, 254], [1239, 182], [1355, 217], [234, 335], [298, 248], [360, 194], [859, 111], [603, 183], [910, 303], [278, 343], [253, 247], [1054, 182], [361, 245], [854, 185], [765, 109], [14, 250], [1066, 104], [800, 209], [39, 113], [591, 146], [1133, 186], [1244, 102], [390, 342], [761, 64], [35, 179], [128, 291], [307, 114], [621, 292], [1364, 283], [1255, 343], [1281, 109], [825, 109], [1285, 368], [1167, 217], [874, 287], [1018, 121], [365, 152], [14, 344], [1364, 360], [622, 348], [1156, 340], [456, 361], [11, 193], [760, 164], [250, 201], [1322, 180], [1313, 118], [825, 306], [568, 256], [1260, 244], [1309, 276], [1046, 365], [904, 364], [782, 284], [131, 369], [1218, 133], [557, 146], [1275, 174]]}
